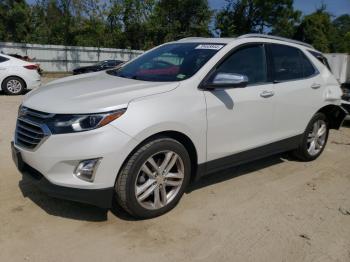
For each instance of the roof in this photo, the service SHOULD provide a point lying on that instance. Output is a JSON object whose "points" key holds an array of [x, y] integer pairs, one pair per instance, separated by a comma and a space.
{"points": [[217, 40], [276, 38], [229, 40]]}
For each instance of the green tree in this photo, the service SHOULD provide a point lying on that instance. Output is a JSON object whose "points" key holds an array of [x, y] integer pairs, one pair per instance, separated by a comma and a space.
{"points": [[48, 27], [128, 22], [91, 29], [174, 19], [286, 23], [317, 29], [341, 40], [14, 20], [257, 16], [67, 22]]}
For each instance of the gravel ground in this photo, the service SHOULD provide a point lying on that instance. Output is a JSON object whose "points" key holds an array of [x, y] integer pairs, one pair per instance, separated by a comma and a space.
{"points": [[275, 209]]}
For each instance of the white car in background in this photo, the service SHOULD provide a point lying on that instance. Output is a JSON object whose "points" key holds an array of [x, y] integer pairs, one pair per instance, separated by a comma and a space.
{"points": [[17, 75]]}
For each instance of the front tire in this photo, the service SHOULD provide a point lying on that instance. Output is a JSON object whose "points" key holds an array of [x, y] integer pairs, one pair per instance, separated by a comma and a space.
{"points": [[13, 86], [154, 178], [314, 139]]}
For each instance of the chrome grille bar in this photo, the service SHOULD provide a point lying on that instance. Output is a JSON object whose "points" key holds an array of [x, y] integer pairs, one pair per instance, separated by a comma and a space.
{"points": [[31, 129]]}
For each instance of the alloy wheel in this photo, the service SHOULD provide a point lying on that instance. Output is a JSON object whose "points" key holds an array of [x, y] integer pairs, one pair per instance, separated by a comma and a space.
{"points": [[14, 86], [159, 180], [317, 137]]}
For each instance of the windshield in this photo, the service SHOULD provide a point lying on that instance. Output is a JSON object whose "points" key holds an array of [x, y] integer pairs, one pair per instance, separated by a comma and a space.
{"points": [[171, 62]]}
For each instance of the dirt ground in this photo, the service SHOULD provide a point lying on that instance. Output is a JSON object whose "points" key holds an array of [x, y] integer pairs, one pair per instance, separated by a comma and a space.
{"points": [[275, 209]]}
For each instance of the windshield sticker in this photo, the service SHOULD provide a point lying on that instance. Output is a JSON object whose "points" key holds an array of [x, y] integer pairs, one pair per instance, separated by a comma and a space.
{"points": [[212, 47], [180, 76]]}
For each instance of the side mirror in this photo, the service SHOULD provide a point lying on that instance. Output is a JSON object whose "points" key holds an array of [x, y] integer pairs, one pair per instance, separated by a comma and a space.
{"points": [[226, 80]]}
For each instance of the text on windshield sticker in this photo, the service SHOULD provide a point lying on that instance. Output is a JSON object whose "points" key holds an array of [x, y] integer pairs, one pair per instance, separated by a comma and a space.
{"points": [[212, 47]]}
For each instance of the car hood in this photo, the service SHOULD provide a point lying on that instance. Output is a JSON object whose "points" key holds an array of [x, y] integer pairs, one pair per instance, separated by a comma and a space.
{"points": [[91, 93]]}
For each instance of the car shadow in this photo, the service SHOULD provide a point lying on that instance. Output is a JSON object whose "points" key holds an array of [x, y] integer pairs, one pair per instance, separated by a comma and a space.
{"points": [[69, 209], [60, 207], [2, 93], [224, 97], [85, 212]]}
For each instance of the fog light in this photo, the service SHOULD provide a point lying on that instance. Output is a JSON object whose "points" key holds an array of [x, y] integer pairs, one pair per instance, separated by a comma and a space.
{"points": [[86, 169]]}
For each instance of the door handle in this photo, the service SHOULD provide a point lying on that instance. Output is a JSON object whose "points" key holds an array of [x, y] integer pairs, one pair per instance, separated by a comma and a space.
{"points": [[267, 94], [315, 86]]}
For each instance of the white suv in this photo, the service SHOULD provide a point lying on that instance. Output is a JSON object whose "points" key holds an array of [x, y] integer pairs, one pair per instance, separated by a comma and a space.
{"points": [[137, 135]]}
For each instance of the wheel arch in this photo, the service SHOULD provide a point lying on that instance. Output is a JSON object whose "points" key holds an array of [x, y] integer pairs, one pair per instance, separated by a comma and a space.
{"points": [[335, 115], [178, 136], [7, 77]]}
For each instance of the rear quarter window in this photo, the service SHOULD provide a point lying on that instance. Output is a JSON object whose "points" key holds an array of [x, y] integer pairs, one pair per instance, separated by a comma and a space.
{"points": [[308, 68], [321, 58]]}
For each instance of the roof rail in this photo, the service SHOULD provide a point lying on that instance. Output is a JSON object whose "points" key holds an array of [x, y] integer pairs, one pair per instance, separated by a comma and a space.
{"points": [[189, 38], [276, 38]]}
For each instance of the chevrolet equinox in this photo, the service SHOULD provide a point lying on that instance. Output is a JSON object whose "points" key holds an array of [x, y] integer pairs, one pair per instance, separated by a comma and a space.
{"points": [[137, 135]]}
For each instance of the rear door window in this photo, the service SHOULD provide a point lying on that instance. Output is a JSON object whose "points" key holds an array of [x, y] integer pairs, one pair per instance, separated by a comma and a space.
{"points": [[289, 63]]}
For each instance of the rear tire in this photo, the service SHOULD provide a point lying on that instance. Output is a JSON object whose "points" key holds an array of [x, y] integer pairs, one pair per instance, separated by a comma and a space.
{"points": [[154, 178], [314, 139], [13, 86]]}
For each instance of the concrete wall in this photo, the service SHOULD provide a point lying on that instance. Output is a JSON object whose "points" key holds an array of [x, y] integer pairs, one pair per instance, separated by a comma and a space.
{"points": [[340, 65], [58, 58]]}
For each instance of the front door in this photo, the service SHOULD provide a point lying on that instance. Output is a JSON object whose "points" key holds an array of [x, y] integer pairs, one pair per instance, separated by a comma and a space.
{"points": [[240, 119]]}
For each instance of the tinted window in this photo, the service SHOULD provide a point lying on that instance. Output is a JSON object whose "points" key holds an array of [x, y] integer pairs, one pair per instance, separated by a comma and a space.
{"points": [[112, 63], [321, 58], [308, 68], [103, 63], [289, 63], [3, 59], [170, 62], [249, 61]]}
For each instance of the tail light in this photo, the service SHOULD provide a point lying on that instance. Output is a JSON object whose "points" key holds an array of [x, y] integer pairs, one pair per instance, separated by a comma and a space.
{"points": [[31, 67]]}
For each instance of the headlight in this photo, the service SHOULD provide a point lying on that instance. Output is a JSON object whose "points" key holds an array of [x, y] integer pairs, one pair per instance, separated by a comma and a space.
{"points": [[62, 123]]}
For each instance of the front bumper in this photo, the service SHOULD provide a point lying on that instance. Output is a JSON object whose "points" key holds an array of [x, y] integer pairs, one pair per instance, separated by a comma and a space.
{"points": [[53, 163], [98, 197]]}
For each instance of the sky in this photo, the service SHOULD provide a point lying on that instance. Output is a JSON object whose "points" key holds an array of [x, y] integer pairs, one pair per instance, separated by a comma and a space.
{"points": [[335, 7]]}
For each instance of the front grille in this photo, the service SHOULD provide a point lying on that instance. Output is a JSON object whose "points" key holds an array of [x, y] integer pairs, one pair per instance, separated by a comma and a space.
{"points": [[31, 130]]}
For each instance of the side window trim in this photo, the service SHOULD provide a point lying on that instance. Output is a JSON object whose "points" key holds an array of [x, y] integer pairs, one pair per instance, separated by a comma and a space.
{"points": [[271, 64], [320, 57], [231, 52]]}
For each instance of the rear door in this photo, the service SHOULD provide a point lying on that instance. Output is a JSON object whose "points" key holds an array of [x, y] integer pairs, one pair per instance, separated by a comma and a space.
{"points": [[298, 89]]}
